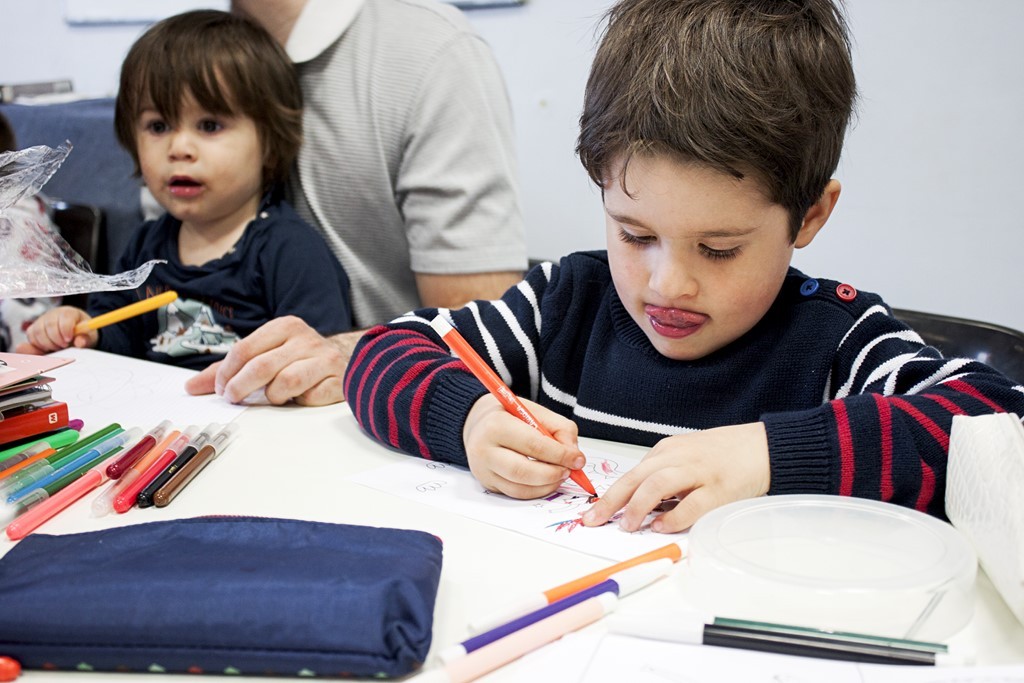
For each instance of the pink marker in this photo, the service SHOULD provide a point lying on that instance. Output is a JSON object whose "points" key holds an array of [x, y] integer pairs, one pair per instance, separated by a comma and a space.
{"points": [[47, 507]]}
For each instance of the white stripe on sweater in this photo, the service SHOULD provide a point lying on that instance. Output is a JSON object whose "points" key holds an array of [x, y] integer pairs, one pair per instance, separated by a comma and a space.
{"points": [[493, 352], [847, 386], [602, 417], [524, 341]]}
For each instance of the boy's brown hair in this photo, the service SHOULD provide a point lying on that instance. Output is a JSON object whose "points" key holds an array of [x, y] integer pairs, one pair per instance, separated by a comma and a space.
{"points": [[760, 87], [230, 65]]}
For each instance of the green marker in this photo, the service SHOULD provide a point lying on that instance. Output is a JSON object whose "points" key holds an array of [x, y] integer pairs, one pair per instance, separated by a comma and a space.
{"points": [[40, 468], [55, 440]]}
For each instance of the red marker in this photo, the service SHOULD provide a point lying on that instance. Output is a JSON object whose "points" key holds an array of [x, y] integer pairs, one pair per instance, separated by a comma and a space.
{"points": [[126, 499], [482, 371], [135, 453]]}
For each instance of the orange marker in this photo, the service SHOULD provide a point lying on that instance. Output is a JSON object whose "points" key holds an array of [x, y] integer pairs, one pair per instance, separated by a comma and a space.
{"points": [[482, 371], [104, 504], [671, 551], [32, 454], [125, 312]]}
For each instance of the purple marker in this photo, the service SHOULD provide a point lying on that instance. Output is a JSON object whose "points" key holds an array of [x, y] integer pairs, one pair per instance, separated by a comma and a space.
{"points": [[621, 583]]}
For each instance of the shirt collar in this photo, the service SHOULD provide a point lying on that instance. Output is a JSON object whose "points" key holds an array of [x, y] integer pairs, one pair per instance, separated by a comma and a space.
{"points": [[319, 26]]}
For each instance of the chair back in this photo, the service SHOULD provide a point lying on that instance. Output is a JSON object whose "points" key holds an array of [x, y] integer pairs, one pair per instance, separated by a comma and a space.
{"points": [[998, 346], [82, 227]]}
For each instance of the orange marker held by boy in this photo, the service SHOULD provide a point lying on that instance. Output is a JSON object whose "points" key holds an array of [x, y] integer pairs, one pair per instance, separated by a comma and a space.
{"points": [[509, 401]]}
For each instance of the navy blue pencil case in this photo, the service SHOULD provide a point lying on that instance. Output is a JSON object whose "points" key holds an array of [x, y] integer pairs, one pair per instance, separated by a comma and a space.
{"points": [[226, 595]]}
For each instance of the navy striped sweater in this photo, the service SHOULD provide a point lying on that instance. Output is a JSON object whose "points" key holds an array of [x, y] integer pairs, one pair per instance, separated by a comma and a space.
{"points": [[852, 400]]}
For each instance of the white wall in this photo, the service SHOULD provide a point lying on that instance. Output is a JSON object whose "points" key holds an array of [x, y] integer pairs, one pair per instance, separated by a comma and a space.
{"points": [[928, 216]]}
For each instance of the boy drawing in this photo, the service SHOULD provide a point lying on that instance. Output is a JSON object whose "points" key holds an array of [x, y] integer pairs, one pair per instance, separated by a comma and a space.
{"points": [[210, 109], [712, 128]]}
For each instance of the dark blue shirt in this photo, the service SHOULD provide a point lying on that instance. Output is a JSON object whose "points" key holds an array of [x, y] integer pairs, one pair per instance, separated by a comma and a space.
{"points": [[280, 266]]}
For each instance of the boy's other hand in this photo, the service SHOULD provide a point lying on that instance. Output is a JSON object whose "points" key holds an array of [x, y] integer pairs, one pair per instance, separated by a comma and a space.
{"points": [[703, 469], [55, 330], [285, 357], [509, 456]]}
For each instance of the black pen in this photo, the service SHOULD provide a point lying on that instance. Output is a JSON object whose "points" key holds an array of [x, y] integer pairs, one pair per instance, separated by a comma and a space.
{"points": [[693, 628], [145, 497], [180, 479]]}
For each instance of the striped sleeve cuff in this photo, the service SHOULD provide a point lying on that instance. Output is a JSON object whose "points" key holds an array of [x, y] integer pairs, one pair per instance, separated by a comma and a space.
{"points": [[448, 407], [800, 452]]}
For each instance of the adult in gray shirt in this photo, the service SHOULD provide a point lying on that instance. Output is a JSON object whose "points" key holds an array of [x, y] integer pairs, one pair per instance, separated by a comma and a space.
{"points": [[407, 169]]}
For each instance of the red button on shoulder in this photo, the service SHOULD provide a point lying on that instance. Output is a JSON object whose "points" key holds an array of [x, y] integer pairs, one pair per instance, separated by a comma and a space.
{"points": [[846, 292]]}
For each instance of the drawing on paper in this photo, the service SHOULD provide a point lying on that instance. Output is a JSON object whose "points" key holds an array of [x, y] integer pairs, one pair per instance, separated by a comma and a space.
{"points": [[554, 518]]}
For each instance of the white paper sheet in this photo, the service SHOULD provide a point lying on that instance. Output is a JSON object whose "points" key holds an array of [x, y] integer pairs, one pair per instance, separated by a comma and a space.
{"points": [[101, 388], [554, 518]]}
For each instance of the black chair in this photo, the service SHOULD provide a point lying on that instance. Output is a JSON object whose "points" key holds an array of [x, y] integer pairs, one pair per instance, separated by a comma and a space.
{"points": [[1001, 347], [82, 227]]}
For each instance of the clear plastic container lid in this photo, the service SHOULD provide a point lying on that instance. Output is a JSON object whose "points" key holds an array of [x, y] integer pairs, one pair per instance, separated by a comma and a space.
{"points": [[832, 562]]}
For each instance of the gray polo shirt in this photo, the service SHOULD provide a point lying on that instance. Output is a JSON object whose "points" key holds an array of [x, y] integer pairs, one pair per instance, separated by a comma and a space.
{"points": [[408, 163]]}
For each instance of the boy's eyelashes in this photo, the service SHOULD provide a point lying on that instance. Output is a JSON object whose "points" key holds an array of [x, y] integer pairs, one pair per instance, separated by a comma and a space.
{"points": [[718, 254], [636, 240], [647, 240]]}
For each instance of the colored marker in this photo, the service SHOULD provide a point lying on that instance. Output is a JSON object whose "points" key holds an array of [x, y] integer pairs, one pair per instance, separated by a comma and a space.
{"points": [[44, 507], [104, 503], [33, 453], [621, 584], [523, 641], [133, 454], [30, 472], [70, 471], [124, 500], [56, 440], [145, 497], [509, 401], [63, 453], [693, 628], [166, 493], [125, 312], [530, 603]]}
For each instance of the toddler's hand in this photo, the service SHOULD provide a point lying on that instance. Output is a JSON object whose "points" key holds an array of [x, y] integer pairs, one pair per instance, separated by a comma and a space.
{"points": [[705, 469], [509, 456], [55, 330]]}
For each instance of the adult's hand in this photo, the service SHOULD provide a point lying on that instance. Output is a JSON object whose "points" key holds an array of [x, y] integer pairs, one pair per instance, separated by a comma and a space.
{"points": [[288, 359]]}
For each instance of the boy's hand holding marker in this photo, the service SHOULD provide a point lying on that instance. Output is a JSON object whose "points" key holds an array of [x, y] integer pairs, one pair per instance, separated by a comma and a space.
{"points": [[496, 442]]}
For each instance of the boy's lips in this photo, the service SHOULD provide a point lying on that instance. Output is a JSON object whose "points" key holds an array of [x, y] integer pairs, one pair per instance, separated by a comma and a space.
{"points": [[184, 186], [674, 322]]}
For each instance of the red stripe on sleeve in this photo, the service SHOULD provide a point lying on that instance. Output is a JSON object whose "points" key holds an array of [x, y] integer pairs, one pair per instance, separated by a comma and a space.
{"points": [[355, 362], [417, 404], [927, 491], [372, 404], [415, 341], [407, 378], [937, 432], [965, 388], [846, 466], [885, 428]]}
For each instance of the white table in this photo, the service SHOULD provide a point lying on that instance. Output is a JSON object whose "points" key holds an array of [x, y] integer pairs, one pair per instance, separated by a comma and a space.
{"points": [[292, 462]]}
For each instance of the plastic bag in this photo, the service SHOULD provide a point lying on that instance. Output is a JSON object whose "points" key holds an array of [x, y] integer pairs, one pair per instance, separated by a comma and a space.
{"points": [[34, 262]]}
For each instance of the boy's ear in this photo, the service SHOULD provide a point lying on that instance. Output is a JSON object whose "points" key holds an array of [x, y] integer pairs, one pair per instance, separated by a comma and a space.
{"points": [[817, 215]]}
